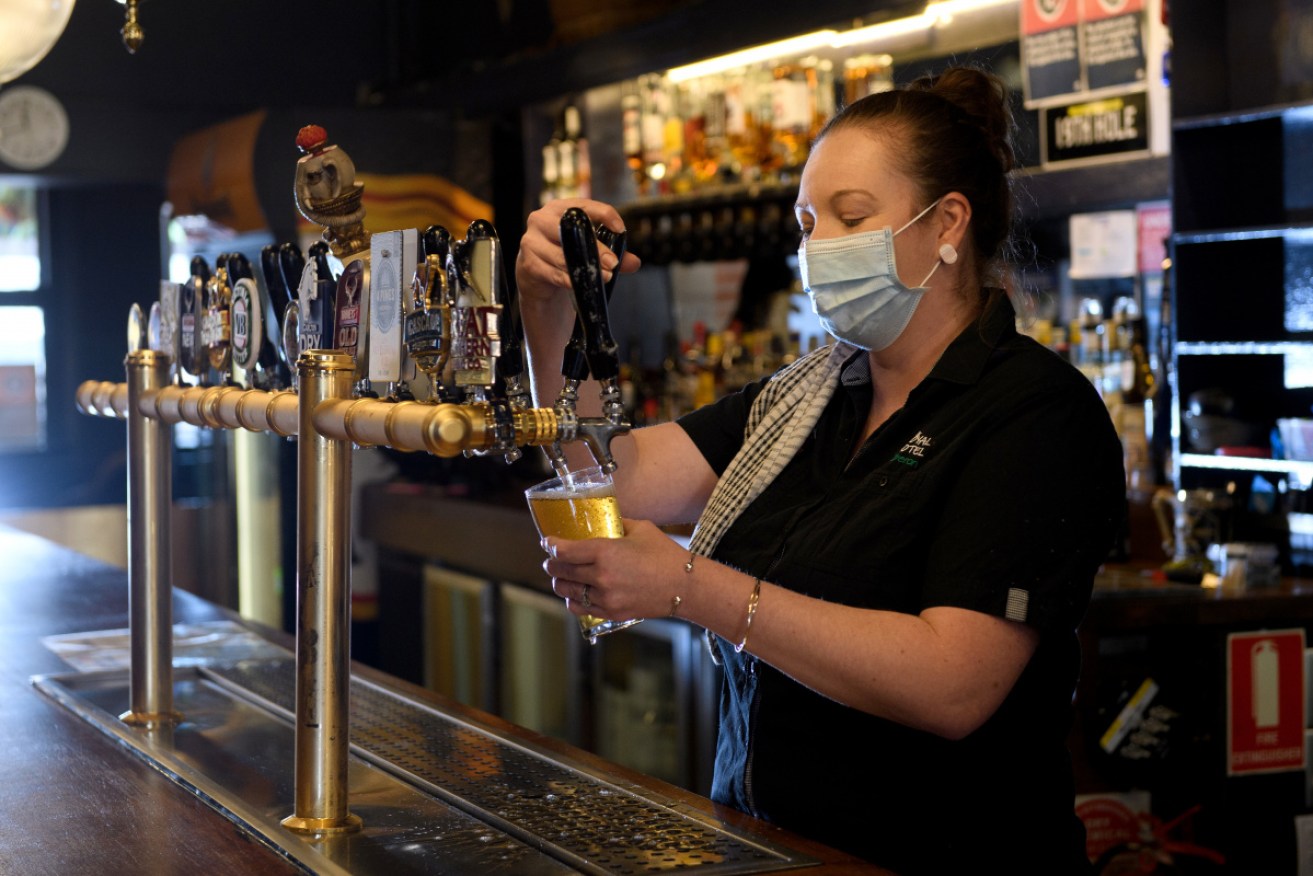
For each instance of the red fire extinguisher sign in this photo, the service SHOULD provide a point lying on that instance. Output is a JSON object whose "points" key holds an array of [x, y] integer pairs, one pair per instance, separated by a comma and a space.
{"points": [[1265, 701]]}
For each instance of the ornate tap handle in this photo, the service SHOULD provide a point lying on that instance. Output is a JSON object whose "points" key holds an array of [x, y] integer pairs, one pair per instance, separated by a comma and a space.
{"points": [[428, 323], [476, 277], [327, 192]]}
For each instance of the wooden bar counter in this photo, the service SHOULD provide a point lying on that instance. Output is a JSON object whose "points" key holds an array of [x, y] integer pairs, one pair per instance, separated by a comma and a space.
{"points": [[76, 801]]}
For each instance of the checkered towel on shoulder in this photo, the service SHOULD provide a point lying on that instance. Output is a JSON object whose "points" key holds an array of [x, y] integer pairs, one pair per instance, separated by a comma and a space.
{"points": [[780, 420]]}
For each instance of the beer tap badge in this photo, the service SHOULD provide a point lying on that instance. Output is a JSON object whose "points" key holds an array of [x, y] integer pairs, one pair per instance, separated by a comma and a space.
{"points": [[350, 287], [247, 324], [307, 294]]}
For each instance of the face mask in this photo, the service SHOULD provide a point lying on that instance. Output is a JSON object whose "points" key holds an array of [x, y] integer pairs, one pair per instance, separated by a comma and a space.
{"points": [[854, 286]]}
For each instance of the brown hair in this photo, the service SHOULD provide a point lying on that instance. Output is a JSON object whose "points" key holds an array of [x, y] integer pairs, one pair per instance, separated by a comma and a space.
{"points": [[954, 133]]}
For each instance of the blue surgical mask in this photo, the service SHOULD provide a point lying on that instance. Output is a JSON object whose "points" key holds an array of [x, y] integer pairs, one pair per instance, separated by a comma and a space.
{"points": [[854, 286]]}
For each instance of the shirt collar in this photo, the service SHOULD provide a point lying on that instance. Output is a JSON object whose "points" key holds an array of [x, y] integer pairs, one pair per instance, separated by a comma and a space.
{"points": [[965, 357]]}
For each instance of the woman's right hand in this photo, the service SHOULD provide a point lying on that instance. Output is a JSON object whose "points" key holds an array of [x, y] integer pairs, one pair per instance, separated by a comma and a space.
{"points": [[540, 271]]}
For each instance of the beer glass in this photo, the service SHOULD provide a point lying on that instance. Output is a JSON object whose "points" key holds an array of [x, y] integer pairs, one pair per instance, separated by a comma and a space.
{"points": [[580, 504]]}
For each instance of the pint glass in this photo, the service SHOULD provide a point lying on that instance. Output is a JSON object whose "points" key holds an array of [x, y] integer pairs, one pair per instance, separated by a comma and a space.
{"points": [[579, 504]]}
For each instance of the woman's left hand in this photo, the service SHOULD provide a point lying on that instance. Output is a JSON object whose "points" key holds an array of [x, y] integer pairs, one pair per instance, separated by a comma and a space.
{"points": [[629, 577]]}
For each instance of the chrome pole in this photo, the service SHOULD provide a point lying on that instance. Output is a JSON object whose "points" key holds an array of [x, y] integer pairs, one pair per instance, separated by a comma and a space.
{"points": [[323, 584], [150, 594]]}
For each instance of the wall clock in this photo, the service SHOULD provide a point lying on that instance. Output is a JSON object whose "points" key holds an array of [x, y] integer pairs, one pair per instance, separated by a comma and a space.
{"points": [[33, 127]]}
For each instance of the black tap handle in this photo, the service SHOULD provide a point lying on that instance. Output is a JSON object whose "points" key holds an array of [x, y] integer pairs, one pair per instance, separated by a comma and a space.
{"points": [[579, 242], [574, 362], [291, 262], [327, 300], [617, 242], [436, 240], [274, 281], [200, 268], [239, 268]]}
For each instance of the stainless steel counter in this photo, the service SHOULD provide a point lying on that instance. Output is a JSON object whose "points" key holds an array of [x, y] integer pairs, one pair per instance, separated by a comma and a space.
{"points": [[440, 788]]}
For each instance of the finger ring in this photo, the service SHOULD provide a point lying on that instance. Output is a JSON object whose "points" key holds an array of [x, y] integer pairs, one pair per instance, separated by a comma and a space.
{"points": [[583, 599]]}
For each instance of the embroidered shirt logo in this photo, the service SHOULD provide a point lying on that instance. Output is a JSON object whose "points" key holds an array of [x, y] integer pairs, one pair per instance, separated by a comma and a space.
{"points": [[914, 451]]}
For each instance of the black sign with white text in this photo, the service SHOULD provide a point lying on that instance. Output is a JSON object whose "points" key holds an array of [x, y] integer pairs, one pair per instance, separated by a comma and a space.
{"points": [[1112, 126]]}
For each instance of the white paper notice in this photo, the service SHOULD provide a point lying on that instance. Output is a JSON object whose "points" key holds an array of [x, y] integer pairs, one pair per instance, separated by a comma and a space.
{"points": [[1103, 245]]}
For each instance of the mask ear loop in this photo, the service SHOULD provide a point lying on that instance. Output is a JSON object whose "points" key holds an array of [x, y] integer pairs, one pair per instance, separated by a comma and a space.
{"points": [[941, 258]]}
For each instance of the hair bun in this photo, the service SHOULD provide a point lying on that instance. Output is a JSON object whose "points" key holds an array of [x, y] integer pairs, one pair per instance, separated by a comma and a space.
{"points": [[983, 99]]}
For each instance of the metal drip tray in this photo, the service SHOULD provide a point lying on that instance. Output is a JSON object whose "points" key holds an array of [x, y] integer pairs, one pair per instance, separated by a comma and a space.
{"points": [[436, 793]]}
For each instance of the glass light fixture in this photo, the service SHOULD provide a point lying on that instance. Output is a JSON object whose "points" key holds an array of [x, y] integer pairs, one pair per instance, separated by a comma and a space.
{"points": [[28, 30]]}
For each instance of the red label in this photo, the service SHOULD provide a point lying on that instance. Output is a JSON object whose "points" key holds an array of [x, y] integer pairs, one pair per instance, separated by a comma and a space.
{"points": [[1155, 226], [1037, 16], [1096, 10], [1265, 701]]}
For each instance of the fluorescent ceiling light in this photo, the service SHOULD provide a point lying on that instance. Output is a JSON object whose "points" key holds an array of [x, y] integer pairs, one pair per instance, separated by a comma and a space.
{"points": [[754, 55], [890, 35]]}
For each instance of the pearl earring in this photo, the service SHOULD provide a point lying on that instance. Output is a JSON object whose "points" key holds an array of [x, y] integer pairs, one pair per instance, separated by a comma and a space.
{"points": [[947, 254]]}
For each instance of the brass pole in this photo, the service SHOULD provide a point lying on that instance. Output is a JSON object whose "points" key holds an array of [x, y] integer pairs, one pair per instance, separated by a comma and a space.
{"points": [[323, 584], [150, 595]]}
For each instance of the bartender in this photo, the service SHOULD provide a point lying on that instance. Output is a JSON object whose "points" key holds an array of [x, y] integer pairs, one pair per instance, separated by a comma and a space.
{"points": [[896, 535]]}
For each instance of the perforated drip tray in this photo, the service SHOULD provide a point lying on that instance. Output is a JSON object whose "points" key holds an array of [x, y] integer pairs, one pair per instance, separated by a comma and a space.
{"points": [[435, 793]]}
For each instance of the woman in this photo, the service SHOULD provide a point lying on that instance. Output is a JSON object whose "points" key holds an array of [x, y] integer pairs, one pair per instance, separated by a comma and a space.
{"points": [[898, 534]]}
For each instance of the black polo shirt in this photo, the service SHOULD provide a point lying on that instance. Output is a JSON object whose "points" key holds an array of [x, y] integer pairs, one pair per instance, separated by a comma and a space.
{"points": [[998, 488]]}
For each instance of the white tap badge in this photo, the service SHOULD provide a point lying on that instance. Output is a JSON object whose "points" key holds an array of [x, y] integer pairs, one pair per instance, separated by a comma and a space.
{"points": [[247, 324], [307, 299], [169, 320], [393, 255]]}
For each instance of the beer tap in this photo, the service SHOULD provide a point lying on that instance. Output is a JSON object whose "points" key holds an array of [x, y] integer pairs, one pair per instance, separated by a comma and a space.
{"points": [[427, 325], [316, 296], [273, 305], [216, 324], [251, 357], [292, 265], [475, 267], [480, 295], [191, 299], [392, 257], [600, 356]]}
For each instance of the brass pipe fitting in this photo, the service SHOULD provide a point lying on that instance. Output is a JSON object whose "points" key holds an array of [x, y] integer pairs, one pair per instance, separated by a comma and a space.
{"points": [[445, 430], [150, 594], [323, 617]]}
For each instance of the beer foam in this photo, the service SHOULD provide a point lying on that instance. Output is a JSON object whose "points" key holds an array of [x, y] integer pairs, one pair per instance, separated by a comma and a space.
{"points": [[579, 491]]}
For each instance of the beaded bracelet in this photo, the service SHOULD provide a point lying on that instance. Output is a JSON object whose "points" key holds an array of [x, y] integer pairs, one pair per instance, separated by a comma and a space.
{"points": [[752, 612]]}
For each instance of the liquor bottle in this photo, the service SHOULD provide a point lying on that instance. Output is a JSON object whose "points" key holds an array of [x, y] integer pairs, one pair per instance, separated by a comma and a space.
{"points": [[631, 132], [551, 171], [716, 143], [677, 179], [866, 74], [575, 163], [792, 112], [738, 124], [653, 134], [567, 158], [1134, 424]]}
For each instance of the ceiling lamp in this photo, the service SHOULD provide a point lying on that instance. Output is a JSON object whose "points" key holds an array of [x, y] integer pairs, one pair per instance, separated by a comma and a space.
{"points": [[132, 33], [28, 30]]}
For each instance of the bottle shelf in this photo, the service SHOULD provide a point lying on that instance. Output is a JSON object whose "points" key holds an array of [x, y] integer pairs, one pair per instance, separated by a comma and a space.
{"points": [[1256, 232], [1242, 348], [1243, 463]]}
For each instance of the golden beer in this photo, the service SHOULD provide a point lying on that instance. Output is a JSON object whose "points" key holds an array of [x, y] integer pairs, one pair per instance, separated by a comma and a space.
{"points": [[566, 515], [580, 505]]}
